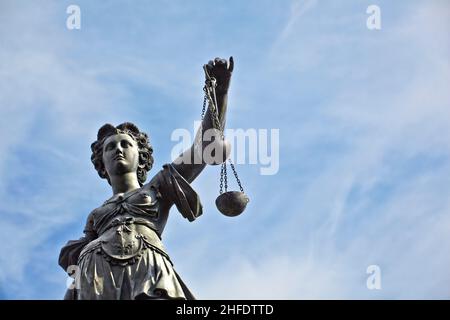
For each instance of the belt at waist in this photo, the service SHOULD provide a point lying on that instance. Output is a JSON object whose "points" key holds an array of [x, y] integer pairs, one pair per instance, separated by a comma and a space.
{"points": [[124, 240]]}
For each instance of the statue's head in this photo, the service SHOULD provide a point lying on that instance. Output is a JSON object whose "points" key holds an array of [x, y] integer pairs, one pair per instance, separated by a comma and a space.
{"points": [[122, 149]]}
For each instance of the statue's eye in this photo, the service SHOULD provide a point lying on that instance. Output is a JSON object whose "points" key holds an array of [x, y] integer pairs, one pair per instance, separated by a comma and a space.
{"points": [[109, 146], [126, 144]]}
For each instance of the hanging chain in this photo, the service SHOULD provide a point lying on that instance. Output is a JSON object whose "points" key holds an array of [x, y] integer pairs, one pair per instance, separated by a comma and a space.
{"points": [[221, 180], [205, 98], [210, 94], [225, 178], [236, 175]]}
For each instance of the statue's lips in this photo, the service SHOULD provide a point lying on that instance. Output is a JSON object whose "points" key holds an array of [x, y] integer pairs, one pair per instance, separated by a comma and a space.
{"points": [[119, 157]]}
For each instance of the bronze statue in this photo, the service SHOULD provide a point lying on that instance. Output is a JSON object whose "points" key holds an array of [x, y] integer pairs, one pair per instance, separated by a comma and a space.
{"points": [[121, 255]]}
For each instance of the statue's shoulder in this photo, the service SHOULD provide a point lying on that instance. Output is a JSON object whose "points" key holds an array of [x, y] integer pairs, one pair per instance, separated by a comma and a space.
{"points": [[156, 180], [95, 213]]}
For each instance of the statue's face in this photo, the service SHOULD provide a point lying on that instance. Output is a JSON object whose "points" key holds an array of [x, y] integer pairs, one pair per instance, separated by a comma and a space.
{"points": [[120, 154]]}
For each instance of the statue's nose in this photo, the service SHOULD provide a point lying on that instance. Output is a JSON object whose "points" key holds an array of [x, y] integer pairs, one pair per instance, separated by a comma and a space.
{"points": [[119, 149]]}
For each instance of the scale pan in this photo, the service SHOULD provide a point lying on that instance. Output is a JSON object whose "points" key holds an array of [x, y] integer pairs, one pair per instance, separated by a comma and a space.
{"points": [[232, 203]]}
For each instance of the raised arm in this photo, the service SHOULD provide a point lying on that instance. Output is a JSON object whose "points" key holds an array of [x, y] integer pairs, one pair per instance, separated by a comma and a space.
{"points": [[221, 70]]}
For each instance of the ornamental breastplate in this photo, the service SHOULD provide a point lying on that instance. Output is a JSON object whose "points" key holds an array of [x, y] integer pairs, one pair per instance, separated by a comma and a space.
{"points": [[124, 241]]}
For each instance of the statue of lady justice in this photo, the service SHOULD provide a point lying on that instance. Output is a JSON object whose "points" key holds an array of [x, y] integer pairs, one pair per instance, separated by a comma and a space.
{"points": [[121, 255]]}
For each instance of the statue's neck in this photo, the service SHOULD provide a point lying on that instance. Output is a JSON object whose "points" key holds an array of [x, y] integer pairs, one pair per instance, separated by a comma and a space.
{"points": [[124, 183]]}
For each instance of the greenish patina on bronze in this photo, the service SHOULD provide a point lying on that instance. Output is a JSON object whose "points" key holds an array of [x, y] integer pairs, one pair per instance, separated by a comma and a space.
{"points": [[121, 255]]}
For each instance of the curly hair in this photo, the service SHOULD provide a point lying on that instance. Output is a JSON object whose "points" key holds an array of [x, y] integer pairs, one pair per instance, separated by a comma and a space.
{"points": [[144, 147]]}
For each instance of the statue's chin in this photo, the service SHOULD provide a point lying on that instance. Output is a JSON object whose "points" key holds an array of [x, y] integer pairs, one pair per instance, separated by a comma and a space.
{"points": [[122, 167]]}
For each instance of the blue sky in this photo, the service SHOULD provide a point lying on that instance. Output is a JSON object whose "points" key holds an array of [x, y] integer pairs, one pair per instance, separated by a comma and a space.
{"points": [[364, 144]]}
